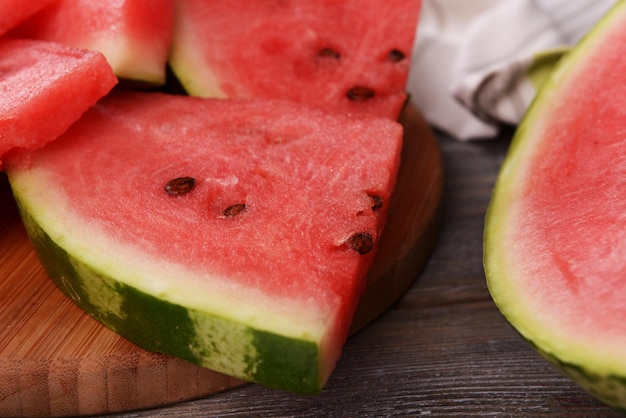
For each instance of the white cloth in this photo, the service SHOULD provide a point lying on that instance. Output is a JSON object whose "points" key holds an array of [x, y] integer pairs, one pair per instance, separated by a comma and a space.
{"points": [[476, 63]]}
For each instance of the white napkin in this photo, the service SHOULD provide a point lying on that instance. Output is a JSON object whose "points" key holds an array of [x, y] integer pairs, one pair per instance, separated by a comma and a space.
{"points": [[477, 64]]}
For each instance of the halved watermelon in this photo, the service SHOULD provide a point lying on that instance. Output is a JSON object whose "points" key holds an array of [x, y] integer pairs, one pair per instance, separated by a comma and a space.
{"points": [[349, 56], [555, 235], [235, 234], [134, 35], [45, 87], [14, 12]]}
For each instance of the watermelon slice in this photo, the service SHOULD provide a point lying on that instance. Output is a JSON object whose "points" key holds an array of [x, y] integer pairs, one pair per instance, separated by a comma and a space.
{"points": [[236, 235], [134, 35], [14, 12], [45, 88], [348, 56], [555, 247]]}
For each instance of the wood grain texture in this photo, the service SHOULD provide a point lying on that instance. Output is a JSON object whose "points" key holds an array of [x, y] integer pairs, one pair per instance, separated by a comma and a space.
{"points": [[443, 350], [57, 361]]}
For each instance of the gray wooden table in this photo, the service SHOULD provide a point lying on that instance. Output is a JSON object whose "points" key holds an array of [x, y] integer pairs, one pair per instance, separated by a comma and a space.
{"points": [[443, 349]]}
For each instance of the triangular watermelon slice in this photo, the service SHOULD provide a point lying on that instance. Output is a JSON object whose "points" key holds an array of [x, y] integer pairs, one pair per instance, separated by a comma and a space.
{"points": [[235, 234], [45, 87], [555, 234], [133, 35], [349, 56]]}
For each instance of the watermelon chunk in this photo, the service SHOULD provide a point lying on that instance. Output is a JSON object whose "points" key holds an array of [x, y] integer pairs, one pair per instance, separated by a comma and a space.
{"points": [[555, 253], [236, 235], [45, 88], [14, 12], [133, 35], [347, 56]]}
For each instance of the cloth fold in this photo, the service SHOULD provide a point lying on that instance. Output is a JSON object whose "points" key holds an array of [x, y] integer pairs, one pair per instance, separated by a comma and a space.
{"points": [[478, 65]]}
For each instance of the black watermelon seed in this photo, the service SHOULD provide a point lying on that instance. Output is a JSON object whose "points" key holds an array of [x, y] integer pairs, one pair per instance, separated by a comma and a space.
{"points": [[377, 202], [180, 186], [234, 210], [360, 242], [329, 53], [360, 93], [395, 55]]}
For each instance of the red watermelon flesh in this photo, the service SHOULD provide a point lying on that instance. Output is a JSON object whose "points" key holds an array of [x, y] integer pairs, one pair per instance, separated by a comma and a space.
{"points": [[134, 35], [14, 12], [256, 270], [349, 56], [45, 87]]}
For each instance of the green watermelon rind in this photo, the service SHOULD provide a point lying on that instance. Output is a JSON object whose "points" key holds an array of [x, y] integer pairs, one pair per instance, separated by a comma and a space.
{"points": [[264, 357], [596, 374], [609, 389]]}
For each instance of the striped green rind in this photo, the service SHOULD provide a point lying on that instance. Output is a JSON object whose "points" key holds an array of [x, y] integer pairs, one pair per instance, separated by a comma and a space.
{"points": [[594, 373], [607, 388], [201, 338]]}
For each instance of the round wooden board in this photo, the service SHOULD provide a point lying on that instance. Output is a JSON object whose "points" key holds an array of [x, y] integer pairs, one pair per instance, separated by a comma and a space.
{"points": [[57, 361]]}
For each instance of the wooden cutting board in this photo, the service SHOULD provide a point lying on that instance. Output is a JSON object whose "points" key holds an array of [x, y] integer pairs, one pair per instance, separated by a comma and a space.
{"points": [[57, 361]]}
